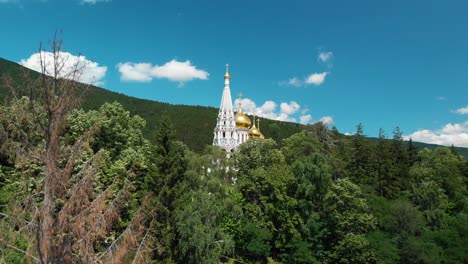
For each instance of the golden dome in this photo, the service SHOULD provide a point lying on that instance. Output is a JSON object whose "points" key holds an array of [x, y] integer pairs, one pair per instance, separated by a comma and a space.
{"points": [[254, 132], [242, 120], [227, 76], [261, 134]]}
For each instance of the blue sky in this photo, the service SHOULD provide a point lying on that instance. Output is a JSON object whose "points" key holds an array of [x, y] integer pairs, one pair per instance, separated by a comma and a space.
{"points": [[381, 63]]}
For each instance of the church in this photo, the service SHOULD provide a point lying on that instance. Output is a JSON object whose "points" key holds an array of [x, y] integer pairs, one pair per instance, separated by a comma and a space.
{"points": [[233, 130]]}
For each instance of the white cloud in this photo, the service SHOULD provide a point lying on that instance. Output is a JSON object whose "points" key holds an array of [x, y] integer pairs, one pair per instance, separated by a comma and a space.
{"points": [[89, 72], [173, 70], [93, 2], [316, 78], [290, 108], [295, 82], [248, 106], [268, 108], [456, 134], [327, 120], [441, 98], [305, 119], [179, 71], [290, 112], [462, 111], [325, 56], [138, 72]]}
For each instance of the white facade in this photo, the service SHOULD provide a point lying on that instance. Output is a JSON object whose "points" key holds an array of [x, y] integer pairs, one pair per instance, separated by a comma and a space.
{"points": [[243, 135]]}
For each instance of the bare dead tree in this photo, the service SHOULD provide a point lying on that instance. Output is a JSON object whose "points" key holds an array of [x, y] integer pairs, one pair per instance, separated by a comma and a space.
{"points": [[65, 217]]}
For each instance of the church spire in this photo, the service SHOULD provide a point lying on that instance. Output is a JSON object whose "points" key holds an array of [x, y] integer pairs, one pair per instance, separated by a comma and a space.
{"points": [[225, 132], [226, 100], [226, 75]]}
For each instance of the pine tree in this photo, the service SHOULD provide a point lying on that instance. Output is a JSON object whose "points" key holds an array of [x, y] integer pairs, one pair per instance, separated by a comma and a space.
{"points": [[359, 166], [383, 163], [400, 155], [412, 153]]}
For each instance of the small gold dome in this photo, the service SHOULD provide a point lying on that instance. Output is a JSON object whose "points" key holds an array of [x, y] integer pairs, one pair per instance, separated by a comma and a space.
{"points": [[242, 120], [254, 132]]}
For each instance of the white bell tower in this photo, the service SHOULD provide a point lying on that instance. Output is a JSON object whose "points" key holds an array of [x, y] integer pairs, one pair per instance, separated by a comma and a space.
{"points": [[225, 132]]}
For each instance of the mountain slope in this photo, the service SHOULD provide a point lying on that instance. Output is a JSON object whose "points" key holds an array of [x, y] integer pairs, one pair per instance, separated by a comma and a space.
{"points": [[193, 124]]}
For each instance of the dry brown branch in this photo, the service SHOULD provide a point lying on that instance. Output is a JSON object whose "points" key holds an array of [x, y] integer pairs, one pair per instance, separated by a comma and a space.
{"points": [[140, 258], [128, 239], [66, 216]]}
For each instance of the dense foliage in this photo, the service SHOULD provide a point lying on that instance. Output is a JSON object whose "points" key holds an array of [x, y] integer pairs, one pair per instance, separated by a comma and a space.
{"points": [[314, 197], [103, 185]]}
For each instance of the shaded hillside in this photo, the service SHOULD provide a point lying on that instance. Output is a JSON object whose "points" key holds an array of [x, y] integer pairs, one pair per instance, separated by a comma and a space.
{"points": [[193, 124], [421, 145]]}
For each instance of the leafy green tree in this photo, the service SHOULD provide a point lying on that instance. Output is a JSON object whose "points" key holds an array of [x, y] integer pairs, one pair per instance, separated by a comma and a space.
{"points": [[300, 145], [419, 250], [446, 169], [257, 153], [384, 246], [437, 185], [299, 251], [349, 220], [200, 238], [313, 178], [453, 239], [431, 199], [407, 225], [353, 248], [266, 181], [254, 241]]}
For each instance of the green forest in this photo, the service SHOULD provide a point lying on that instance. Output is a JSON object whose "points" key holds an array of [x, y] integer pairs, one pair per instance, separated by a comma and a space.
{"points": [[82, 184]]}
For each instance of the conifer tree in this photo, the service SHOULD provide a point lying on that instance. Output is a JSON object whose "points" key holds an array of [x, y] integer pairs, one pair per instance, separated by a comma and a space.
{"points": [[400, 155], [359, 166], [412, 152]]}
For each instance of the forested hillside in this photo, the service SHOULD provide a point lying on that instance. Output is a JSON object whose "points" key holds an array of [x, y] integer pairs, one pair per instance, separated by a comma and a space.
{"points": [[87, 186], [193, 124]]}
